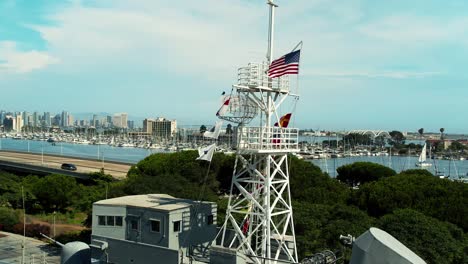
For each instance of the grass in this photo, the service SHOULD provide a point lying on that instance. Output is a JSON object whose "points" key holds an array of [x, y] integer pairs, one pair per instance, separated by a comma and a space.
{"points": [[60, 218]]}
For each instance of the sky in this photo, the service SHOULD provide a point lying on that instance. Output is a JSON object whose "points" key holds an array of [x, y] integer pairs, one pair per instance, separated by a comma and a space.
{"points": [[364, 64]]}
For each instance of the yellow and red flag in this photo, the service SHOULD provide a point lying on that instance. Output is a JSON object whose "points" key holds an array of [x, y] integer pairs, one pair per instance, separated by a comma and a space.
{"points": [[284, 121]]}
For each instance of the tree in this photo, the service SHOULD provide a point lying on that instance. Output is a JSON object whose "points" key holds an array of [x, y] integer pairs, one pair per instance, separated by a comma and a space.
{"points": [[456, 146], [55, 192], [354, 139], [442, 133], [362, 172], [433, 240], [319, 226], [421, 131], [397, 138], [178, 174], [8, 218], [202, 129], [418, 190], [309, 183], [229, 130], [10, 190]]}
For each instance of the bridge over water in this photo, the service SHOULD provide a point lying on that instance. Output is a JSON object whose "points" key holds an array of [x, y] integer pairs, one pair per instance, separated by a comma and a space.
{"points": [[372, 133], [47, 164]]}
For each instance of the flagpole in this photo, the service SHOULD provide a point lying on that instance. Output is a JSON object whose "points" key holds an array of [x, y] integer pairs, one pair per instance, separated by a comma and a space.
{"points": [[270, 57], [271, 31], [295, 48]]}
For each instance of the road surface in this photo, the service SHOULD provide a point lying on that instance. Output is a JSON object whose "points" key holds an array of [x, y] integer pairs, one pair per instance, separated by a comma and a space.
{"points": [[117, 170]]}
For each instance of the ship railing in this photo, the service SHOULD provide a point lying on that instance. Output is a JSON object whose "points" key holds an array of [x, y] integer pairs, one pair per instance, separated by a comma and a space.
{"points": [[264, 139], [255, 75]]}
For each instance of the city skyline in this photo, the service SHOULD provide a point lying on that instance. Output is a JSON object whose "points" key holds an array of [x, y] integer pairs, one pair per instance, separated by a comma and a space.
{"points": [[366, 65]]}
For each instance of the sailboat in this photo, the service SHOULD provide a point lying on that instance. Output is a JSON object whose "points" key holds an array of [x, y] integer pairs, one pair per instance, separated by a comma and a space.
{"points": [[422, 159]]}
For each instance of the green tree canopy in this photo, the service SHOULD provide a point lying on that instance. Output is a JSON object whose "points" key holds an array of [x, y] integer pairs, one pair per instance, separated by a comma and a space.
{"points": [[8, 218], [309, 183], [433, 240], [319, 226], [55, 192], [178, 174], [456, 146], [421, 131], [354, 139], [362, 172], [10, 190], [418, 190], [397, 138], [202, 129]]}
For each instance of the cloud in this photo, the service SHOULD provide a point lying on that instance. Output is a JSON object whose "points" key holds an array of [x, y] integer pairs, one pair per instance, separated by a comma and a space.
{"points": [[199, 39], [153, 36], [16, 61]]}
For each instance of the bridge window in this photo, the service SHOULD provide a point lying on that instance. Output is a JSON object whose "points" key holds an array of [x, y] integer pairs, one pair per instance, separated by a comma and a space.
{"points": [[155, 226], [177, 226], [101, 220], [134, 224], [118, 221], [210, 219], [109, 220]]}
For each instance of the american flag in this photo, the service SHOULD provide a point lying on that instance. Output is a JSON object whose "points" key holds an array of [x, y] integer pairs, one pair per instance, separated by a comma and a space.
{"points": [[288, 64]]}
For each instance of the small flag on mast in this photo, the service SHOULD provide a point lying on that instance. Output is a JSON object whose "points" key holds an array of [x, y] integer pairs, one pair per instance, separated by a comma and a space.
{"points": [[284, 121], [224, 107], [288, 64], [206, 153], [216, 130]]}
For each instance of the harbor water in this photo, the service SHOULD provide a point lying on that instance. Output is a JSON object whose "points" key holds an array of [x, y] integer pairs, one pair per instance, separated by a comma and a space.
{"points": [[452, 168]]}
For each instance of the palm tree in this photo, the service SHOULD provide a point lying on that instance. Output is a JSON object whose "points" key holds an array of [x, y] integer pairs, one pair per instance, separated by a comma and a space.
{"points": [[421, 131], [442, 133]]}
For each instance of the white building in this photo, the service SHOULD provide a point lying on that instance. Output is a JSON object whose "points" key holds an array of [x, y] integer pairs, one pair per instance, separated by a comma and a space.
{"points": [[160, 127], [18, 125], [120, 120]]}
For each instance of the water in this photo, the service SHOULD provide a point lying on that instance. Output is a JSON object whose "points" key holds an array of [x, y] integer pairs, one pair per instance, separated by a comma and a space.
{"points": [[134, 155], [452, 168], [106, 152]]}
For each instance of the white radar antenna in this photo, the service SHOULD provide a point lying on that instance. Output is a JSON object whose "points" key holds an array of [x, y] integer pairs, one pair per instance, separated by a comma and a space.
{"points": [[259, 218]]}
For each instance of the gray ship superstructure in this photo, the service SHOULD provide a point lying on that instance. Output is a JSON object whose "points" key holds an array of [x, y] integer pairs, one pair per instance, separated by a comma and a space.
{"points": [[152, 228]]}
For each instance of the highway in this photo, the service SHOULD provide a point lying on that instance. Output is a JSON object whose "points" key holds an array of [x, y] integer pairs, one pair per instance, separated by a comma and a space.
{"points": [[116, 169]]}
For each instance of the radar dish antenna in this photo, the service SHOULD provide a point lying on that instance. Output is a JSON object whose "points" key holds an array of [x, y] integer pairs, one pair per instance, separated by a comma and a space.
{"points": [[238, 108]]}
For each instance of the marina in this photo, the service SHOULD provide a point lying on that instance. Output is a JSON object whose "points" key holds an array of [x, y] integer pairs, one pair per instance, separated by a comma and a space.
{"points": [[325, 158]]}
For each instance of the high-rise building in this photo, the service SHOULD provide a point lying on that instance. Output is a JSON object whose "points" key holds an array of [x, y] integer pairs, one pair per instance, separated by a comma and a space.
{"points": [[94, 122], [35, 119], [64, 119], [30, 120], [2, 116], [160, 127], [57, 120], [130, 124], [70, 120], [19, 123], [120, 120], [8, 123], [47, 119]]}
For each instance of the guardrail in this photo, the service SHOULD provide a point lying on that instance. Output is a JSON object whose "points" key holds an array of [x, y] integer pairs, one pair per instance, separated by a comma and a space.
{"points": [[264, 139]]}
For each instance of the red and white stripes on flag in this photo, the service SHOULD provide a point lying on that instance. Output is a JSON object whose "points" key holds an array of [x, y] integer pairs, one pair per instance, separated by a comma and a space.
{"points": [[288, 64]]}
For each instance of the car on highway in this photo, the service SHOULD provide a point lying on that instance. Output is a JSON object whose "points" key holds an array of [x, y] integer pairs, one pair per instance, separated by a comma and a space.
{"points": [[68, 166]]}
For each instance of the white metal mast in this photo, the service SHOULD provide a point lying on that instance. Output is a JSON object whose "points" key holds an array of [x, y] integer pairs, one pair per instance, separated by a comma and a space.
{"points": [[259, 218]]}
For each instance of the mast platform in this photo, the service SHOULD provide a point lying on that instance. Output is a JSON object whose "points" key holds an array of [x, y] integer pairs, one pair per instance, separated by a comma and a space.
{"points": [[266, 140]]}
